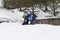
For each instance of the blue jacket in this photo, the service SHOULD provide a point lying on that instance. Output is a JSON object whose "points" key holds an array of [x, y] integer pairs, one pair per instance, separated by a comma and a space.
{"points": [[32, 17]]}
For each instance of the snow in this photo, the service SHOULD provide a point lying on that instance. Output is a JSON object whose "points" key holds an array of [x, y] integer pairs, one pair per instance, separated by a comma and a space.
{"points": [[42, 15], [16, 16], [16, 31], [1, 4], [8, 15]]}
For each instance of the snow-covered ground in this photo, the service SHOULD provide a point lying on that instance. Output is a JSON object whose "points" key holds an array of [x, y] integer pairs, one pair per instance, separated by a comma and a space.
{"points": [[16, 31]]}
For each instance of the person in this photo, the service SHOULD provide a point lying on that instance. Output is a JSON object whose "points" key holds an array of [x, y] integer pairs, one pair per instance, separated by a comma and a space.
{"points": [[25, 16], [29, 18], [32, 18], [25, 20]]}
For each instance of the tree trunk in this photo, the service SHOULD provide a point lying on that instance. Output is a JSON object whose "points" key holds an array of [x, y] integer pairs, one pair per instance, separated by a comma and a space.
{"points": [[46, 5], [54, 9], [32, 8], [20, 9], [46, 8]]}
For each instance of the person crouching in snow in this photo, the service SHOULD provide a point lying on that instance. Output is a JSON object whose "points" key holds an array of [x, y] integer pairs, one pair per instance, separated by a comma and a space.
{"points": [[32, 18], [25, 16], [29, 18]]}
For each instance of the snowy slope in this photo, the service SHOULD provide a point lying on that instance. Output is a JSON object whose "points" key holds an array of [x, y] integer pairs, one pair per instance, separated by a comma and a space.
{"points": [[45, 15], [8, 15], [15, 31], [42, 15]]}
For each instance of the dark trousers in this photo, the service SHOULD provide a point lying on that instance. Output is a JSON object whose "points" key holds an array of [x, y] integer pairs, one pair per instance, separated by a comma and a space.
{"points": [[25, 22]]}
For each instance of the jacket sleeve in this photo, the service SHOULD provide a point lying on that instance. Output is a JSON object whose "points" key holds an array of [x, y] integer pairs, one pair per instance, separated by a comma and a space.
{"points": [[35, 15]]}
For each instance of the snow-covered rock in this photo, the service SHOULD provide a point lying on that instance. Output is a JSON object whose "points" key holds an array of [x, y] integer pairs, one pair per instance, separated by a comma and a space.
{"points": [[42, 15], [8, 15]]}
